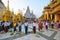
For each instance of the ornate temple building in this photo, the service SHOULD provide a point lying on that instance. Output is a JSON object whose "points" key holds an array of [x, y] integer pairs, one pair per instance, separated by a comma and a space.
{"points": [[2, 8], [10, 16], [6, 13], [29, 15], [20, 16], [52, 11]]}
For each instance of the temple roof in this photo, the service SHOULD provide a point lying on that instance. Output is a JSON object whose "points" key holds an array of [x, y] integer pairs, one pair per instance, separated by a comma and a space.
{"points": [[2, 5], [28, 14], [1, 2]]}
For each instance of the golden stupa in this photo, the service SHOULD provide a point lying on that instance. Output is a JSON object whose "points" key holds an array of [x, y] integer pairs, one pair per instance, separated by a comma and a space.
{"points": [[6, 14], [10, 16]]}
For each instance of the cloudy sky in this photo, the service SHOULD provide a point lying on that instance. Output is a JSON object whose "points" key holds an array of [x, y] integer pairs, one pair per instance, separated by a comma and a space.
{"points": [[35, 5]]}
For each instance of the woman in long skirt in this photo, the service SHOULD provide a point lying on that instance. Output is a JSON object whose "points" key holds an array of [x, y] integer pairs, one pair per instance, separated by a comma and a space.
{"points": [[34, 26], [39, 25], [57, 25], [46, 25], [19, 25]]}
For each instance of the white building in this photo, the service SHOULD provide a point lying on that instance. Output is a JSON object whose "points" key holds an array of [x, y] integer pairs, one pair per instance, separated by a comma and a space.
{"points": [[29, 15]]}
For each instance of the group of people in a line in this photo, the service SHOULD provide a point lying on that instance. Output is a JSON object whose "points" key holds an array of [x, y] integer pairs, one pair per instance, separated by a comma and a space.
{"points": [[4, 26], [41, 24], [47, 25]]}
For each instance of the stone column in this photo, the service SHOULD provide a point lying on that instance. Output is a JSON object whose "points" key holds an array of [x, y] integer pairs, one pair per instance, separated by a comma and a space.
{"points": [[44, 16], [47, 16], [55, 18], [51, 16]]}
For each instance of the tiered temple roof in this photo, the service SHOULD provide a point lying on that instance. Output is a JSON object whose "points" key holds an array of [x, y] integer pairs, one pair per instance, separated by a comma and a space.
{"points": [[28, 14]]}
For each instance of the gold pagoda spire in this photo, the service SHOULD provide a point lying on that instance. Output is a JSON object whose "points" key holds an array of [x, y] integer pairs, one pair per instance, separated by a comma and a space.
{"points": [[7, 13], [8, 5], [19, 12]]}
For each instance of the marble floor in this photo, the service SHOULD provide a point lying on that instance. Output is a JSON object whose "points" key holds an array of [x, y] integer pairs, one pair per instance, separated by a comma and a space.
{"points": [[46, 35], [57, 36], [31, 37]]}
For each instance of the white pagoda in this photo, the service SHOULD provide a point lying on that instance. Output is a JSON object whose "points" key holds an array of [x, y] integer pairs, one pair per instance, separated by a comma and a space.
{"points": [[29, 15]]}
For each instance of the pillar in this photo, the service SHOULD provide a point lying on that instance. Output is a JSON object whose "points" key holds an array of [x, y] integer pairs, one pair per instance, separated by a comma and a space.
{"points": [[44, 16], [51, 16], [55, 18], [47, 16]]}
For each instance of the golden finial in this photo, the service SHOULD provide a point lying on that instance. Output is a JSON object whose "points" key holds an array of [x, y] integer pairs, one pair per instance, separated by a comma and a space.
{"points": [[8, 5]]}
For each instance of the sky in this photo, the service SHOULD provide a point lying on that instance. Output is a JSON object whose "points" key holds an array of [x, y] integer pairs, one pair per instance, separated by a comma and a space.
{"points": [[36, 6]]}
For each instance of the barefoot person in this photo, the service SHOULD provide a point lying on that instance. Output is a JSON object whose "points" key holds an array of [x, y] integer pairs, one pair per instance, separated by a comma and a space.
{"points": [[5, 27], [19, 25], [26, 27], [40, 25], [14, 24], [34, 26], [57, 24], [47, 25], [52, 24], [44, 24]]}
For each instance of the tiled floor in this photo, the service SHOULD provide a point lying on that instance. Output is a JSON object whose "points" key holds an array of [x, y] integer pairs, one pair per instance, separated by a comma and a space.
{"points": [[57, 37], [46, 35], [31, 37]]}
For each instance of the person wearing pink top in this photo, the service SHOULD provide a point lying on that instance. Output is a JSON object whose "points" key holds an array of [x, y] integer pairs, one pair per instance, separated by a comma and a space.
{"points": [[40, 25], [57, 23], [44, 24], [34, 26]]}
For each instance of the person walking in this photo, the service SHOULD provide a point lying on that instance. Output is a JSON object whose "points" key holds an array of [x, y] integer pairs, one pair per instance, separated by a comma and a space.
{"points": [[5, 27], [40, 25], [34, 26], [52, 24], [14, 24], [26, 27], [44, 24], [19, 25], [8, 24], [57, 25], [47, 25]]}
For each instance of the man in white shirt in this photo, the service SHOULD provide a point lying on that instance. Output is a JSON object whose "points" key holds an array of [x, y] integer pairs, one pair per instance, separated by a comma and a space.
{"points": [[5, 27], [8, 25], [26, 27]]}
